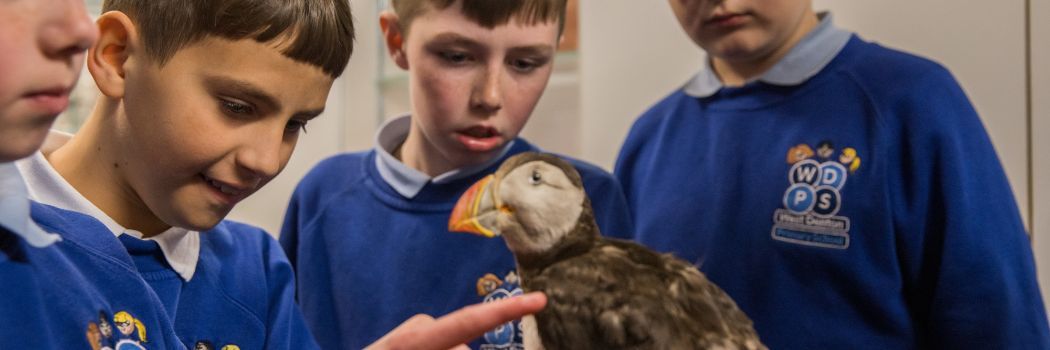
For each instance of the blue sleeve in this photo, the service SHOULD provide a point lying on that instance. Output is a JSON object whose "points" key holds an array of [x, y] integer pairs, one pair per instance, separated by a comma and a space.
{"points": [[298, 236], [631, 163], [969, 269], [285, 322], [608, 202], [289, 237], [305, 203]]}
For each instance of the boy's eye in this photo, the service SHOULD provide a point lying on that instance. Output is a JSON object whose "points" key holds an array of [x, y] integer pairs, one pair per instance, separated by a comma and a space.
{"points": [[237, 107], [523, 65], [454, 56], [294, 126]]}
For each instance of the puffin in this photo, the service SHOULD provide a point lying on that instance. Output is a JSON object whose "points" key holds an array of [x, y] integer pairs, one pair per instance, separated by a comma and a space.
{"points": [[603, 293]]}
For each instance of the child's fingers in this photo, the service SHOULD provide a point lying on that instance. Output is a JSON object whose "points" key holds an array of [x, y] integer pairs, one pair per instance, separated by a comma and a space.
{"points": [[471, 322], [459, 327], [401, 337]]}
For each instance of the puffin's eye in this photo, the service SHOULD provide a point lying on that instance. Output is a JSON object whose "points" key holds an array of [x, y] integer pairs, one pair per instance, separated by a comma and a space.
{"points": [[536, 178]]}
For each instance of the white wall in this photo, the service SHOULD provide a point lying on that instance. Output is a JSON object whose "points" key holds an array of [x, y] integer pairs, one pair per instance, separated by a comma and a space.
{"points": [[632, 53], [1040, 21], [555, 124], [348, 123]]}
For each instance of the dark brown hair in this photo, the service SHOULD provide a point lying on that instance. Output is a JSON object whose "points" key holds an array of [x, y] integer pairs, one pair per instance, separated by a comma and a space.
{"points": [[318, 32], [486, 13]]}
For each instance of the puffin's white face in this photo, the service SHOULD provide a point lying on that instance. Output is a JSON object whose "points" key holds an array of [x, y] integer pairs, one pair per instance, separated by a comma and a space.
{"points": [[541, 199]]}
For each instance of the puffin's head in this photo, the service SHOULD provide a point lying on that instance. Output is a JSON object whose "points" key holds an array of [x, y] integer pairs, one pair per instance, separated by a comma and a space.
{"points": [[534, 201]]}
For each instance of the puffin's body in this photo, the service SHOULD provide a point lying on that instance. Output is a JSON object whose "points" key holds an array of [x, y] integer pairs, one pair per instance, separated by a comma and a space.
{"points": [[602, 293]]}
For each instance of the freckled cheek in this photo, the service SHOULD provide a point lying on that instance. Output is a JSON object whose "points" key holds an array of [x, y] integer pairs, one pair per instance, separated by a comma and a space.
{"points": [[521, 100], [442, 92]]}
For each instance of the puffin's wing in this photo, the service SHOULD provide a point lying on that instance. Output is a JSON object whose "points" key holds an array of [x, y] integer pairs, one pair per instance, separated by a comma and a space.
{"points": [[594, 302], [623, 296], [713, 312]]}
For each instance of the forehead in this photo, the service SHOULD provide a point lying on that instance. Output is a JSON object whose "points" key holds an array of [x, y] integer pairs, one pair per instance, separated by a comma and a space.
{"points": [[259, 65], [435, 22]]}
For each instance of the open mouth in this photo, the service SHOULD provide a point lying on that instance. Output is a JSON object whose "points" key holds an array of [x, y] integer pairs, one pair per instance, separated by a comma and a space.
{"points": [[480, 132], [223, 188], [479, 138]]}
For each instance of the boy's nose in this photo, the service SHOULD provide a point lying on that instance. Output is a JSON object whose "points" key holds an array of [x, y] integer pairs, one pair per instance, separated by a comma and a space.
{"points": [[68, 31], [487, 95], [260, 156]]}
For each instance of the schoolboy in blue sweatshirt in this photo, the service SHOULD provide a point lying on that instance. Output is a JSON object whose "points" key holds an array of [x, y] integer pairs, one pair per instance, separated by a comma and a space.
{"points": [[233, 270], [367, 231], [844, 194], [46, 302], [202, 103]]}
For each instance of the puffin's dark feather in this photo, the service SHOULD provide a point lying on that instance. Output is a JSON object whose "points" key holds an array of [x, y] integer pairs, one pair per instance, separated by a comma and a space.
{"points": [[622, 296]]}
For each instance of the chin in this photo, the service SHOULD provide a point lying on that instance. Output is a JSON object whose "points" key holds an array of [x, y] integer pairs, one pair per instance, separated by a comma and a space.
{"points": [[20, 146], [200, 221], [472, 158]]}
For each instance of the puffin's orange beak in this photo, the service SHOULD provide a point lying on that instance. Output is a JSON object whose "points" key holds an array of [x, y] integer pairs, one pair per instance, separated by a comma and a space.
{"points": [[473, 208]]}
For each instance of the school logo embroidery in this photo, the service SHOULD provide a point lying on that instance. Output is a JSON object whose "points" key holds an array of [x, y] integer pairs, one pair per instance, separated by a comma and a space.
{"points": [[507, 336], [94, 336], [100, 335], [132, 333], [814, 196]]}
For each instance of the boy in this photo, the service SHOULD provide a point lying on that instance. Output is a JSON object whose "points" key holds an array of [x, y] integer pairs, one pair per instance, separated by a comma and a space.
{"points": [[367, 231], [202, 102], [229, 287], [46, 302], [894, 228]]}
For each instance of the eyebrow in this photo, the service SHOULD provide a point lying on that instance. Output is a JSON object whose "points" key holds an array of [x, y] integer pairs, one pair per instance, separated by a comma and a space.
{"points": [[541, 50], [256, 94], [245, 89], [456, 39]]}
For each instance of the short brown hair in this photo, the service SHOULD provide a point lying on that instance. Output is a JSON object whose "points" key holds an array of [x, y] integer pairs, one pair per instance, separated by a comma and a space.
{"points": [[487, 13], [320, 32]]}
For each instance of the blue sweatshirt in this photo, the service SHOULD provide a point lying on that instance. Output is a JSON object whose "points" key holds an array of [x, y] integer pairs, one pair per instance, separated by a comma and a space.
{"points": [[862, 208], [242, 292], [368, 257], [229, 286], [74, 294]]}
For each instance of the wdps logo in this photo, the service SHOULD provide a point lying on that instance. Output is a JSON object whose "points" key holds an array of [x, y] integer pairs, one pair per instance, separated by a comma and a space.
{"points": [[815, 187], [507, 336], [814, 196]]}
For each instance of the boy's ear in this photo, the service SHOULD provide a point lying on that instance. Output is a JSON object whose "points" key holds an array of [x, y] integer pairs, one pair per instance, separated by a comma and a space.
{"points": [[108, 58], [394, 37]]}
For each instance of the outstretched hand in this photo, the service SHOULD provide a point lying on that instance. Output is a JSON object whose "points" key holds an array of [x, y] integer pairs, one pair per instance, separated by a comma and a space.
{"points": [[423, 332]]}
